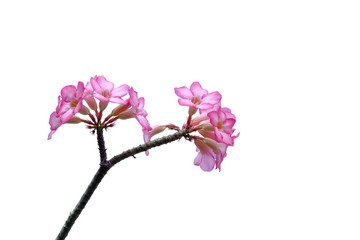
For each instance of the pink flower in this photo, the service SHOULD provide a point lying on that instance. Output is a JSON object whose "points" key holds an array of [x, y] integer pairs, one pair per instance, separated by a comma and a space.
{"points": [[148, 134], [137, 110], [71, 102], [200, 122], [210, 153], [197, 97], [54, 121], [223, 123], [104, 90], [205, 158]]}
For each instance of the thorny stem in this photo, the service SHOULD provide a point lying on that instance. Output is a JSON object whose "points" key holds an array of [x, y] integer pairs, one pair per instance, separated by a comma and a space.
{"points": [[105, 167]]}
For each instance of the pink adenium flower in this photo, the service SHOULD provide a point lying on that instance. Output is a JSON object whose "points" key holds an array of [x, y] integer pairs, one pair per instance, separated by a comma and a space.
{"points": [[148, 134], [54, 121], [104, 90], [71, 102], [197, 98], [210, 153], [223, 126], [137, 110], [200, 122]]}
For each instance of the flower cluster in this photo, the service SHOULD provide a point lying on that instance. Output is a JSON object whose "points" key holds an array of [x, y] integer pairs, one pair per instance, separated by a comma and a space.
{"points": [[97, 94], [214, 124]]}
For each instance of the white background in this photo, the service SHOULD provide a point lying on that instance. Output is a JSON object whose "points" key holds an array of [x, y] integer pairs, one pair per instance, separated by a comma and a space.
{"points": [[289, 70]]}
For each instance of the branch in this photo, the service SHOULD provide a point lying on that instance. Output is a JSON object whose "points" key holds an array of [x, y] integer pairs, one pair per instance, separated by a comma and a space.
{"points": [[101, 143], [105, 167], [146, 146], [101, 172]]}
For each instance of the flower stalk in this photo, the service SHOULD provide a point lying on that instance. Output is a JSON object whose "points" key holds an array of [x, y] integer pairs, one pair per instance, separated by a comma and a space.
{"points": [[105, 166], [99, 175], [101, 143]]}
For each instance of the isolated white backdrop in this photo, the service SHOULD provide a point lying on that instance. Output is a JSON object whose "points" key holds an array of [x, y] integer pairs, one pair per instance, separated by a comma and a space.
{"points": [[289, 70]]}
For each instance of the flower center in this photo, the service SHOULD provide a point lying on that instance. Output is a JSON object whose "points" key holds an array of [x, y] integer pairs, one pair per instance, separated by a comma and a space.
{"points": [[74, 103], [196, 100], [106, 94]]}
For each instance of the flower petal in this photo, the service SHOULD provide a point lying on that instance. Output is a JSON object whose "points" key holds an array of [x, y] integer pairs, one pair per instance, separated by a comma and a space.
{"points": [[68, 93], [183, 92], [197, 90], [212, 98]]}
